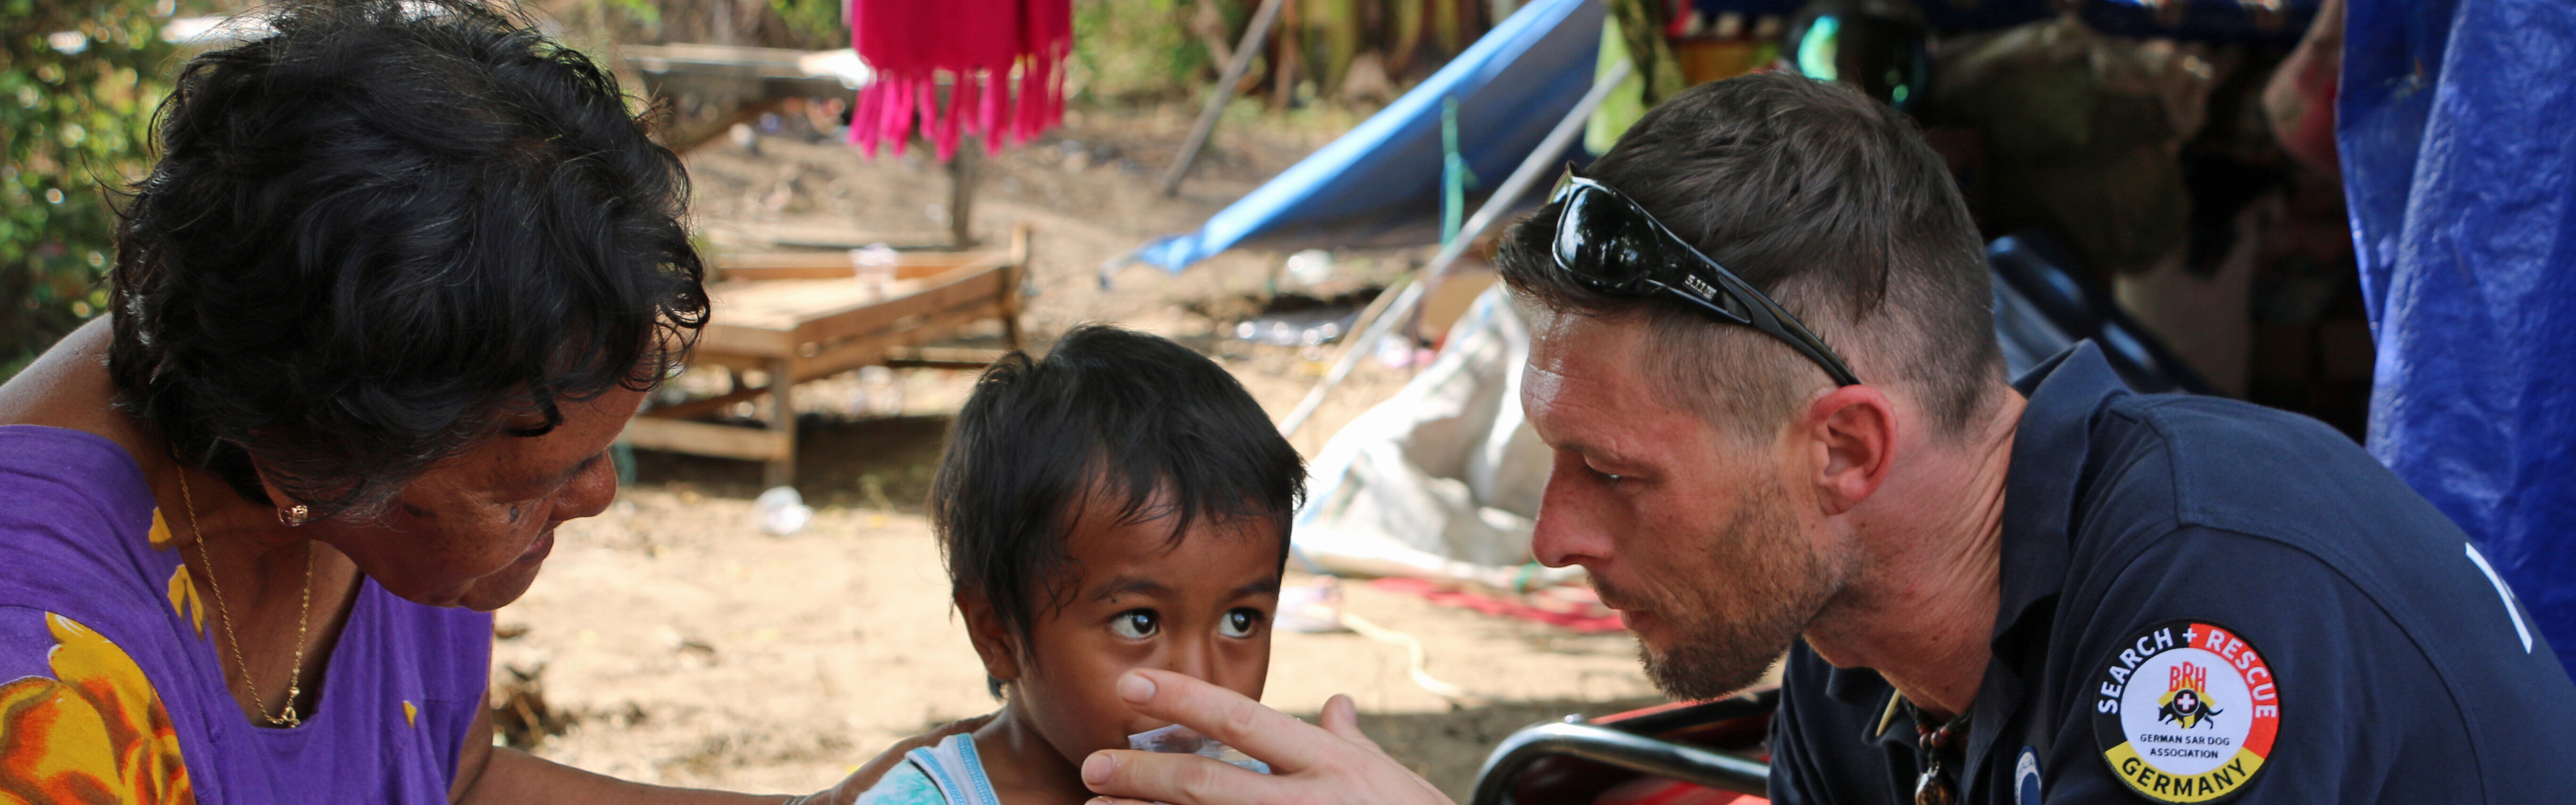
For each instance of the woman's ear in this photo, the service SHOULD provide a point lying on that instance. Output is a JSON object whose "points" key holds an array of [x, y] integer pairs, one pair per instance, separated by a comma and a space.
{"points": [[284, 503], [993, 640]]}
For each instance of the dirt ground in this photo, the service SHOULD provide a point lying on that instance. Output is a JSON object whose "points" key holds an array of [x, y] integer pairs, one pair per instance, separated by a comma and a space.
{"points": [[673, 642]]}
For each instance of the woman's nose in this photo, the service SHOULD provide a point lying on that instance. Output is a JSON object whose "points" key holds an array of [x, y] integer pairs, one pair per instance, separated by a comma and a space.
{"points": [[589, 493]]}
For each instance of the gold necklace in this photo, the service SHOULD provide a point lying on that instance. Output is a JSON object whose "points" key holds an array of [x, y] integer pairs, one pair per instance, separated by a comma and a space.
{"points": [[294, 680]]}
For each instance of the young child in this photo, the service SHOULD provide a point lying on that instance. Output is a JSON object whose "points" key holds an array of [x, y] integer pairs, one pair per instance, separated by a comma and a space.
{"points": [[1121, 504]]}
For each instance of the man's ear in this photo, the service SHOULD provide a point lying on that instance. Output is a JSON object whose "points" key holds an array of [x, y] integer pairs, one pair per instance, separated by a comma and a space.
{"points": [[993, 640], [1852, 436]]}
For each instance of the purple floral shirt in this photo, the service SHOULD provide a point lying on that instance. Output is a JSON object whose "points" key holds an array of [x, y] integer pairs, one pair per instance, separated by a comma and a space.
{"points": [[109, 687]]}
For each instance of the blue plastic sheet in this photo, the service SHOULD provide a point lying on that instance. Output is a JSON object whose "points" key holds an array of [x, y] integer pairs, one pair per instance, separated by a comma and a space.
{"points": [[2460, 167], [1379, 184]]}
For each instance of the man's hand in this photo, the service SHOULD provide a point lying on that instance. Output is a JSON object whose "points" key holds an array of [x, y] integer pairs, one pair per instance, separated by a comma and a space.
{"points": [[1310, 766]]}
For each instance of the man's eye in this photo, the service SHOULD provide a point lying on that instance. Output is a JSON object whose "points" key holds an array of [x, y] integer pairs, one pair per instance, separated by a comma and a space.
{"points": [[1239, 622], [1135, 624], [1612, 479]]}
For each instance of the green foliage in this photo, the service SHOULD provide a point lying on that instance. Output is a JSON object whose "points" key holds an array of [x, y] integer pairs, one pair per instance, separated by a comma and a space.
{"points": [[75, 121], [1135, 50], [819, 19]]}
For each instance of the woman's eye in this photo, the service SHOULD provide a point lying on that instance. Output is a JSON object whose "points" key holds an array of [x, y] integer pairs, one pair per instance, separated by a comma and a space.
{"points": [[1239, 622], [1135, 624]]}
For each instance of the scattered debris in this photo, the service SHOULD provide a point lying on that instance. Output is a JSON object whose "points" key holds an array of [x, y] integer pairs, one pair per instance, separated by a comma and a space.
{"points": [[520, 717]]}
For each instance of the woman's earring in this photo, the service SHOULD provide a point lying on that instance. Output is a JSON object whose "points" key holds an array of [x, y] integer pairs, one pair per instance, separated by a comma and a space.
{"points": [[295, 515]]}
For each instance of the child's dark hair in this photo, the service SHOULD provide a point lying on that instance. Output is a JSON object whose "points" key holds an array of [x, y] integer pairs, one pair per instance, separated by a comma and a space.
{"points": [[1151, 423]]}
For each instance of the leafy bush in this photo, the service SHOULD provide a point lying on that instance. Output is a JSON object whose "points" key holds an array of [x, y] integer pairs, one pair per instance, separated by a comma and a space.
{"points": [[79, 80], [1135, 50]]}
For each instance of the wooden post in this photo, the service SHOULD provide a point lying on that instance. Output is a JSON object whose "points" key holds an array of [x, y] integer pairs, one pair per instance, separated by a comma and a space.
{"points": [[961, 192], [780, 470], [1283, 68], [1250, 46], [1012, 278]]}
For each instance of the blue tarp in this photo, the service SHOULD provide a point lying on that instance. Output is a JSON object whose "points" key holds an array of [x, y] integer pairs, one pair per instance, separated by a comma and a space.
{"points": [[2460, 170], [1380, 183]]}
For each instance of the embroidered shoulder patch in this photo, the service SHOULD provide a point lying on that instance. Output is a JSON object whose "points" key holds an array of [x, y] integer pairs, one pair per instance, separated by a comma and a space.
{"points": [[2185, 712]]}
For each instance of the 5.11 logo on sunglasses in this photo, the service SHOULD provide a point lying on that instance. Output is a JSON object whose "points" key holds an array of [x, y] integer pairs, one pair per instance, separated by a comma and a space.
{"points": [[1700, 286]]}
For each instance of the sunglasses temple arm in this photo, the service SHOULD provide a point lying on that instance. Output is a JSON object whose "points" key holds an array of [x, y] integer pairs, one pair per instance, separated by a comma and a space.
{"points": [[1769, 318], [1779, 323], [1694, 299], [1807, 342]]}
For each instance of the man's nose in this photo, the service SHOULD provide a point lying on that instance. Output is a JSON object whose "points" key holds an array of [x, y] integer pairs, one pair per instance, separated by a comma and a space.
{"points": [[1569, 529]]}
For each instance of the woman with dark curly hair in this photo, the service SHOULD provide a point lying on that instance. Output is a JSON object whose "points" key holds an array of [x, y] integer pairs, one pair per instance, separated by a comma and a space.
{"points": [[404, 271]]}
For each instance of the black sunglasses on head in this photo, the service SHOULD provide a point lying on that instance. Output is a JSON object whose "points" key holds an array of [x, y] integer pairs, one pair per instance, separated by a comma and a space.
{"points": [[1613, 246]]}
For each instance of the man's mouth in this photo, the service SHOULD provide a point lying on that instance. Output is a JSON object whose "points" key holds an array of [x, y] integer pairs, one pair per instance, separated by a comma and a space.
{"points": [[1632, 613], [1637, 620]]}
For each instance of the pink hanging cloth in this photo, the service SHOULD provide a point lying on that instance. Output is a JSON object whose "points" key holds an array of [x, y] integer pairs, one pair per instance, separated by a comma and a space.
{"points": [[992, 69]]}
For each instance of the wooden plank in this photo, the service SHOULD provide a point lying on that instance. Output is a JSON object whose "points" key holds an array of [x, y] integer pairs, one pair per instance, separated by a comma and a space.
{"points": [[703, 439], [702, 407], [782, 306], [838, 265], [736, 362], [809, 234], [964, 286], [871, 350], [726, 339], [943, 357]]}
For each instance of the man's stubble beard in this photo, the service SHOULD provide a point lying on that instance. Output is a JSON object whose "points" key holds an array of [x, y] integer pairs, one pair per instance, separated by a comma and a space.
{"points": [[1722, 643]]}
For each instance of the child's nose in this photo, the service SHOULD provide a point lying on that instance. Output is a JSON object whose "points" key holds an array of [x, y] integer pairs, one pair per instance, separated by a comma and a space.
{"points": [[1195, 657]]}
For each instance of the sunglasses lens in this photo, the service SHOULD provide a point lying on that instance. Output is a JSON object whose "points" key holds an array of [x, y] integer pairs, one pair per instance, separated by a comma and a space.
{"points": [[1594, 240]]}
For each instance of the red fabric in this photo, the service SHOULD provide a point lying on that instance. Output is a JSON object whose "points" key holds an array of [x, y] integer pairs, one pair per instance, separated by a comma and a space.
{"points": [[1002, 62], [1661, 791], [1574, 608]]}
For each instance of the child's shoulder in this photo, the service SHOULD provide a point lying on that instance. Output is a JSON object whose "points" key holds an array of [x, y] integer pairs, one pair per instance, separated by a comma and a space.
{"points": [[906, 784], [946, 774]]}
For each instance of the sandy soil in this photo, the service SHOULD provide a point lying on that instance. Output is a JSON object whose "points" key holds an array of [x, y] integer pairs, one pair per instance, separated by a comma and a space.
{"points": [[675, 643]]}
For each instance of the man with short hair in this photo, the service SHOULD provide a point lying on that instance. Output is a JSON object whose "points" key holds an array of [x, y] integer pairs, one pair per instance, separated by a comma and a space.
{"points": [[1762, 354]]}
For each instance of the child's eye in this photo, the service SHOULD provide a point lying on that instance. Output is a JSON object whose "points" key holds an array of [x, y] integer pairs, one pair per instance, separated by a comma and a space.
{"points": [[1239, 622], [1136, 624]]}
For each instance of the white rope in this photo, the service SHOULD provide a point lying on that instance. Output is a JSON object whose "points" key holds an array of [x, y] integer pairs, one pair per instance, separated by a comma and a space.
{"points": [[1417, 657]]}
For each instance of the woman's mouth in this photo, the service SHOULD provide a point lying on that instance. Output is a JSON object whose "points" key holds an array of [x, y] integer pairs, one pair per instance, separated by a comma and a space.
{"points": [[538, 550]]}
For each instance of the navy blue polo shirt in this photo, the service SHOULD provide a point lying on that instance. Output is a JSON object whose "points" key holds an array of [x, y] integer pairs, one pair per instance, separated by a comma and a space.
{"points": [[2209, 601]]}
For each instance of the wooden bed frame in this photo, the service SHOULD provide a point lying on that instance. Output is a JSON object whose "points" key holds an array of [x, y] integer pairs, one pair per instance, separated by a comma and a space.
{"points": [[806, 315]]}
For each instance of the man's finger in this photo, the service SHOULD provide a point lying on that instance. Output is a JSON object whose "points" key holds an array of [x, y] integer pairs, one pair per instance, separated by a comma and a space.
{"points": [[1276, 738], [1165, 777], [1342, 717]]}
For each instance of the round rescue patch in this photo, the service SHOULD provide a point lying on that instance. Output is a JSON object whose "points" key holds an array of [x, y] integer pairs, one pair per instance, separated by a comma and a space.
{"points": [[2185, 712]]}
